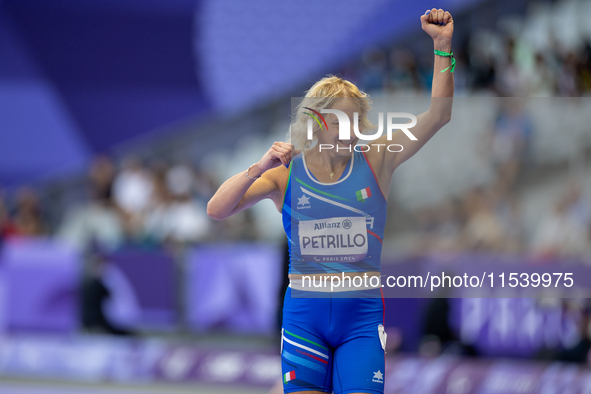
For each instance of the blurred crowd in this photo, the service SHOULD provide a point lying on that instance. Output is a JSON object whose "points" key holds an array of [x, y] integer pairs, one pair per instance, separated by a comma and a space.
{"points": [[488, 63], [25, 218], [165, 204], [162, 203], [489, 218], [127, 204], [529, 59]]}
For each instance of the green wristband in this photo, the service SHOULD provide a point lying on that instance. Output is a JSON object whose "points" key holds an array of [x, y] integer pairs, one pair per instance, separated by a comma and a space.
{"points": [[453, 60]]}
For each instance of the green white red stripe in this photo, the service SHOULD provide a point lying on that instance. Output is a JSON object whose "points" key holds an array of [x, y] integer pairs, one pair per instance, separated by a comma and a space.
{"points": [[363, 194], [288, 376], [305, 348]]}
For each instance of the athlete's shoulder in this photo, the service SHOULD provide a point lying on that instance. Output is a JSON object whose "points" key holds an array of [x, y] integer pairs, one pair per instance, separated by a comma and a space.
{"points": [[280, 175], [374, 158], [277, 174]]}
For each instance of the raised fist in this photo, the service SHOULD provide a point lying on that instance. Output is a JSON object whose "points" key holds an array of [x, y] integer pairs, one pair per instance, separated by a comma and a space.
{"points": [[438, 24]]}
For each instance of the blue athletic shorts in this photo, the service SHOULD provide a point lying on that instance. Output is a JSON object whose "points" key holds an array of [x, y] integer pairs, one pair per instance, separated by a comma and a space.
{"points": [[332, 344]]}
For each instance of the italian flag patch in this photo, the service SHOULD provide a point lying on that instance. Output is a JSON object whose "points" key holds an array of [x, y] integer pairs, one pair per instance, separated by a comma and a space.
{"points": [[363, 194], [288, 376]]}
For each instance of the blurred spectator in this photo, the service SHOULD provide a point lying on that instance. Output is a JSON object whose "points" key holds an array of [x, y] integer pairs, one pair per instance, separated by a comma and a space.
{"points": [[510, 141], [448, 228], [437, 333], [372, 73], [174, 214], [578, 204], [541, 78], [94, 295], [101, 176], [403, 77], [98, 220], [579, 351], [28, 219], [584, 70], [511, 80], [482, 70], [132, 191], [438, 336], [510, 215], [439, 228], [205, 185], [566, 80], [7, 227], [133, 187], [426, 229], [188, 219], [179, 180], [155, 224], [483, 230], [558, 234]]}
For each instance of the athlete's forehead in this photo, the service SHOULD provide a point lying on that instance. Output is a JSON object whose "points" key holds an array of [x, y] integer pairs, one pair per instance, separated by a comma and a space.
{"points": [[348, 105]]}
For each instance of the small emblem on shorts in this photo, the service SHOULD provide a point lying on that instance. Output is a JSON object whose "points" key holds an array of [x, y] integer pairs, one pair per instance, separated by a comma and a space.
{"points": [[289, 376], [303, 202], [347, 224], [378, 377]]}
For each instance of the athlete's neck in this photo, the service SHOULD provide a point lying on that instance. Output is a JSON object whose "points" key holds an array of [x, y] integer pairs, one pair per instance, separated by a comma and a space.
{"points": [[327, 160]]}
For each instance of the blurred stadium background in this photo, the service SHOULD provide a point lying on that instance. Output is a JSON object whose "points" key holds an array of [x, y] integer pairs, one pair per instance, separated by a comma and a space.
{"points": [[120, 118]]}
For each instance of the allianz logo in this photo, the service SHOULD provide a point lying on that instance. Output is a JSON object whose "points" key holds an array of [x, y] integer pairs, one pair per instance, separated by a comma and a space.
{"points": [[322, 226], [346, 224]]}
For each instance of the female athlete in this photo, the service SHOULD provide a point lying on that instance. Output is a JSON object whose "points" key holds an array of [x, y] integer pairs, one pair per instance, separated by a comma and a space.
{"points": [[334, 341]]}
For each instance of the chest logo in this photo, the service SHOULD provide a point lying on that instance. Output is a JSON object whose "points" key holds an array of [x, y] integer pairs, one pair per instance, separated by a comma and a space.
{"points": [[304, 202], [363, 194]]}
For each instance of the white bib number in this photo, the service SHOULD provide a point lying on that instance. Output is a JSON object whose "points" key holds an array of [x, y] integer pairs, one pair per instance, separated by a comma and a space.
{"points": [[334, 239]]}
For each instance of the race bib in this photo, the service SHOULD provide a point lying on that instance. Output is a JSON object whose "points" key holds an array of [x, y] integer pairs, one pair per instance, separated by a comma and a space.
{"points": [[334, 239]]}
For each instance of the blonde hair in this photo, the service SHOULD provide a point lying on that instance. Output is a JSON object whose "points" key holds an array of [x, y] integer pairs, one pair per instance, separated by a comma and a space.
{"points": [[323, 95]]}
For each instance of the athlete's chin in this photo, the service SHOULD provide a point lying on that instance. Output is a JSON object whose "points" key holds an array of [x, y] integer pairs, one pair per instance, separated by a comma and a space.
{"points": [[345, 152]]}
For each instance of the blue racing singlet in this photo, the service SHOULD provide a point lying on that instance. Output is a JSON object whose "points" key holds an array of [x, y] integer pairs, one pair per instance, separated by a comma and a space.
{"points": [[334, 227]]}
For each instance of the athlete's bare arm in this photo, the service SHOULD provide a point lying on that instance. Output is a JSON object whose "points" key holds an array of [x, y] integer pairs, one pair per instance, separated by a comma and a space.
{"points": [[240, 192], [438, 114]]}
